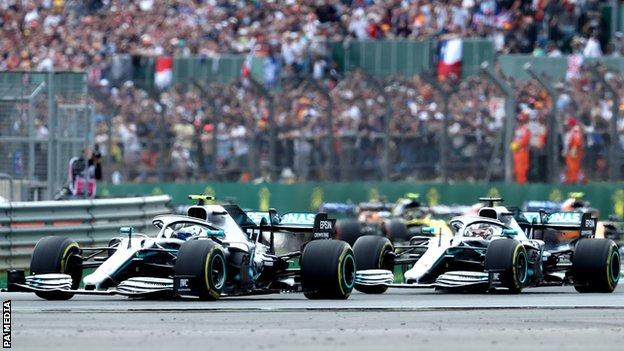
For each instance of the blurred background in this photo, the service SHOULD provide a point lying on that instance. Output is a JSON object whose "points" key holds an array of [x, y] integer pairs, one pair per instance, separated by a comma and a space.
{"points": [[452, 98]]}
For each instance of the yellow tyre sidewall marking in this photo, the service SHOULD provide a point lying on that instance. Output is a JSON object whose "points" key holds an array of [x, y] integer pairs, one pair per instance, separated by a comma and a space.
{"points": [[345, 251], [514, 271], [383, 250], [610, 255], [65, 255], [215, 294]]}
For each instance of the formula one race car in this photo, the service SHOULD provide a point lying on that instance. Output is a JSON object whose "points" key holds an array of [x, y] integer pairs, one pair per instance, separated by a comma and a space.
{"points": [[611, 228], [397, 221], [412, 216], [213, 251], [365, 218], [498, 248]]}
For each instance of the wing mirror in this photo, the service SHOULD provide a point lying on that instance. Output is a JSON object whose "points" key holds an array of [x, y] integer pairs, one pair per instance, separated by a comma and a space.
{"points": [[428, 230], [127, 231], [215, 232], [509, 232]]}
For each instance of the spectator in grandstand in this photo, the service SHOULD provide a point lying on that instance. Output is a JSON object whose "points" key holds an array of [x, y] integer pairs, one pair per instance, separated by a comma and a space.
{"points": [[73, 35]]}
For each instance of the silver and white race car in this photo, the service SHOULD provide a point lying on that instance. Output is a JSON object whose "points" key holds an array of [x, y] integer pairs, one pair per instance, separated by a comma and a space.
{"points": [[213, 251], [498, 248]]}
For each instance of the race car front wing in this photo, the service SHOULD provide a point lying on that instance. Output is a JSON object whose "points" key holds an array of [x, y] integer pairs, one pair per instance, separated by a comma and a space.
{"points": [[53, 282], [448, 280]]}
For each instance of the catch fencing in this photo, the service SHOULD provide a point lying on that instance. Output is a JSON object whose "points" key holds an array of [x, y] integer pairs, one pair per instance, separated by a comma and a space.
{"points": [[88, 222], [45, 120], [357, 127]]}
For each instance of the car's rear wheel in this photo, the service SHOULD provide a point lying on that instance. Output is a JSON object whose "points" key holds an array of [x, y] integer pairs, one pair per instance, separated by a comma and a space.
{"points": [[596, 266], [508, 258], [53, 254], [348, 230], [203, 263], [396, 230], [327, 269], [373, 252]]}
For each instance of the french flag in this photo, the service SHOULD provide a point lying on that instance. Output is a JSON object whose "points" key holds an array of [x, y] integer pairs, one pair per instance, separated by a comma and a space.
{"points": [[450, 58], [164, 71]]}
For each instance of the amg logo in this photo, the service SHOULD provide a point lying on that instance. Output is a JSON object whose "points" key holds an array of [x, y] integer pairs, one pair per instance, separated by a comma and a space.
{"points": [[6, 324]]}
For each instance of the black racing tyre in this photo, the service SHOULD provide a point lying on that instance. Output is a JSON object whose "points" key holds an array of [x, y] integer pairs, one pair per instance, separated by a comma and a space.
{"points": [[373, 252], [596, 266], [348, 230], [396, 230], [327, 269], [509, 258], [203, 262], [54, 254]]}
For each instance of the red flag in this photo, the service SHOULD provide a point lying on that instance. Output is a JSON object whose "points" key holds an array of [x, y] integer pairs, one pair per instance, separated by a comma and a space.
{"points": [[450, 58], [164, 71]]}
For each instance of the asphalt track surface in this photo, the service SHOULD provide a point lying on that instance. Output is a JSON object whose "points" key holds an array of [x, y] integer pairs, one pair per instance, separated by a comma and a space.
{"points": [[538, 319]]}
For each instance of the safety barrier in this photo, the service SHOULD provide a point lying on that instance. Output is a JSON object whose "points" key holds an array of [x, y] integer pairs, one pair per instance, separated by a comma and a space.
{"points": [[608, 198], [89, 222]]}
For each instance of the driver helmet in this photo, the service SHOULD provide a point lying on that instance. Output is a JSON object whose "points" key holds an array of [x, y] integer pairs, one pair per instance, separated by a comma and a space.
{"points": [[186, 233], [483, 231], [182, 235]]}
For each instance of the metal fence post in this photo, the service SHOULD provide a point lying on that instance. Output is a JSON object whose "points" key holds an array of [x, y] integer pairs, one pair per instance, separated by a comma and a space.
{"points": [[510, 111], [272, 127], [553, 142], [386, 125], [32, 115], [445, 125], [614, 159], [112, 111], [52, 134], [162, 140], [331, 165], [330, 121], [215, 118]]}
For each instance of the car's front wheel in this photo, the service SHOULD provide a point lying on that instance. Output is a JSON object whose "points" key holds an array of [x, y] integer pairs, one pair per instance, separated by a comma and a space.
{"points": [[54, 254], [202, 263], [327, 269], [508, 258], [373, 252]]}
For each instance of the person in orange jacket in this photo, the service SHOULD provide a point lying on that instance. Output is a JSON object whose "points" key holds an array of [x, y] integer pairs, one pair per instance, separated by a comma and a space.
{"points": [[573, 152], [520, 148]]}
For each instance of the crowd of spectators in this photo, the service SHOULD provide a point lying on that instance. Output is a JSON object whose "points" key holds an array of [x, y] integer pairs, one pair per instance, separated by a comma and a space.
{"points": [[359, 106], [83, 35]]}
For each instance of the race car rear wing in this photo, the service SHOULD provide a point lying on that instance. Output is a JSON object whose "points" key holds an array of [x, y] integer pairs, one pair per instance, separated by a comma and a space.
{"points": [[584, 223], [305, 222]]}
